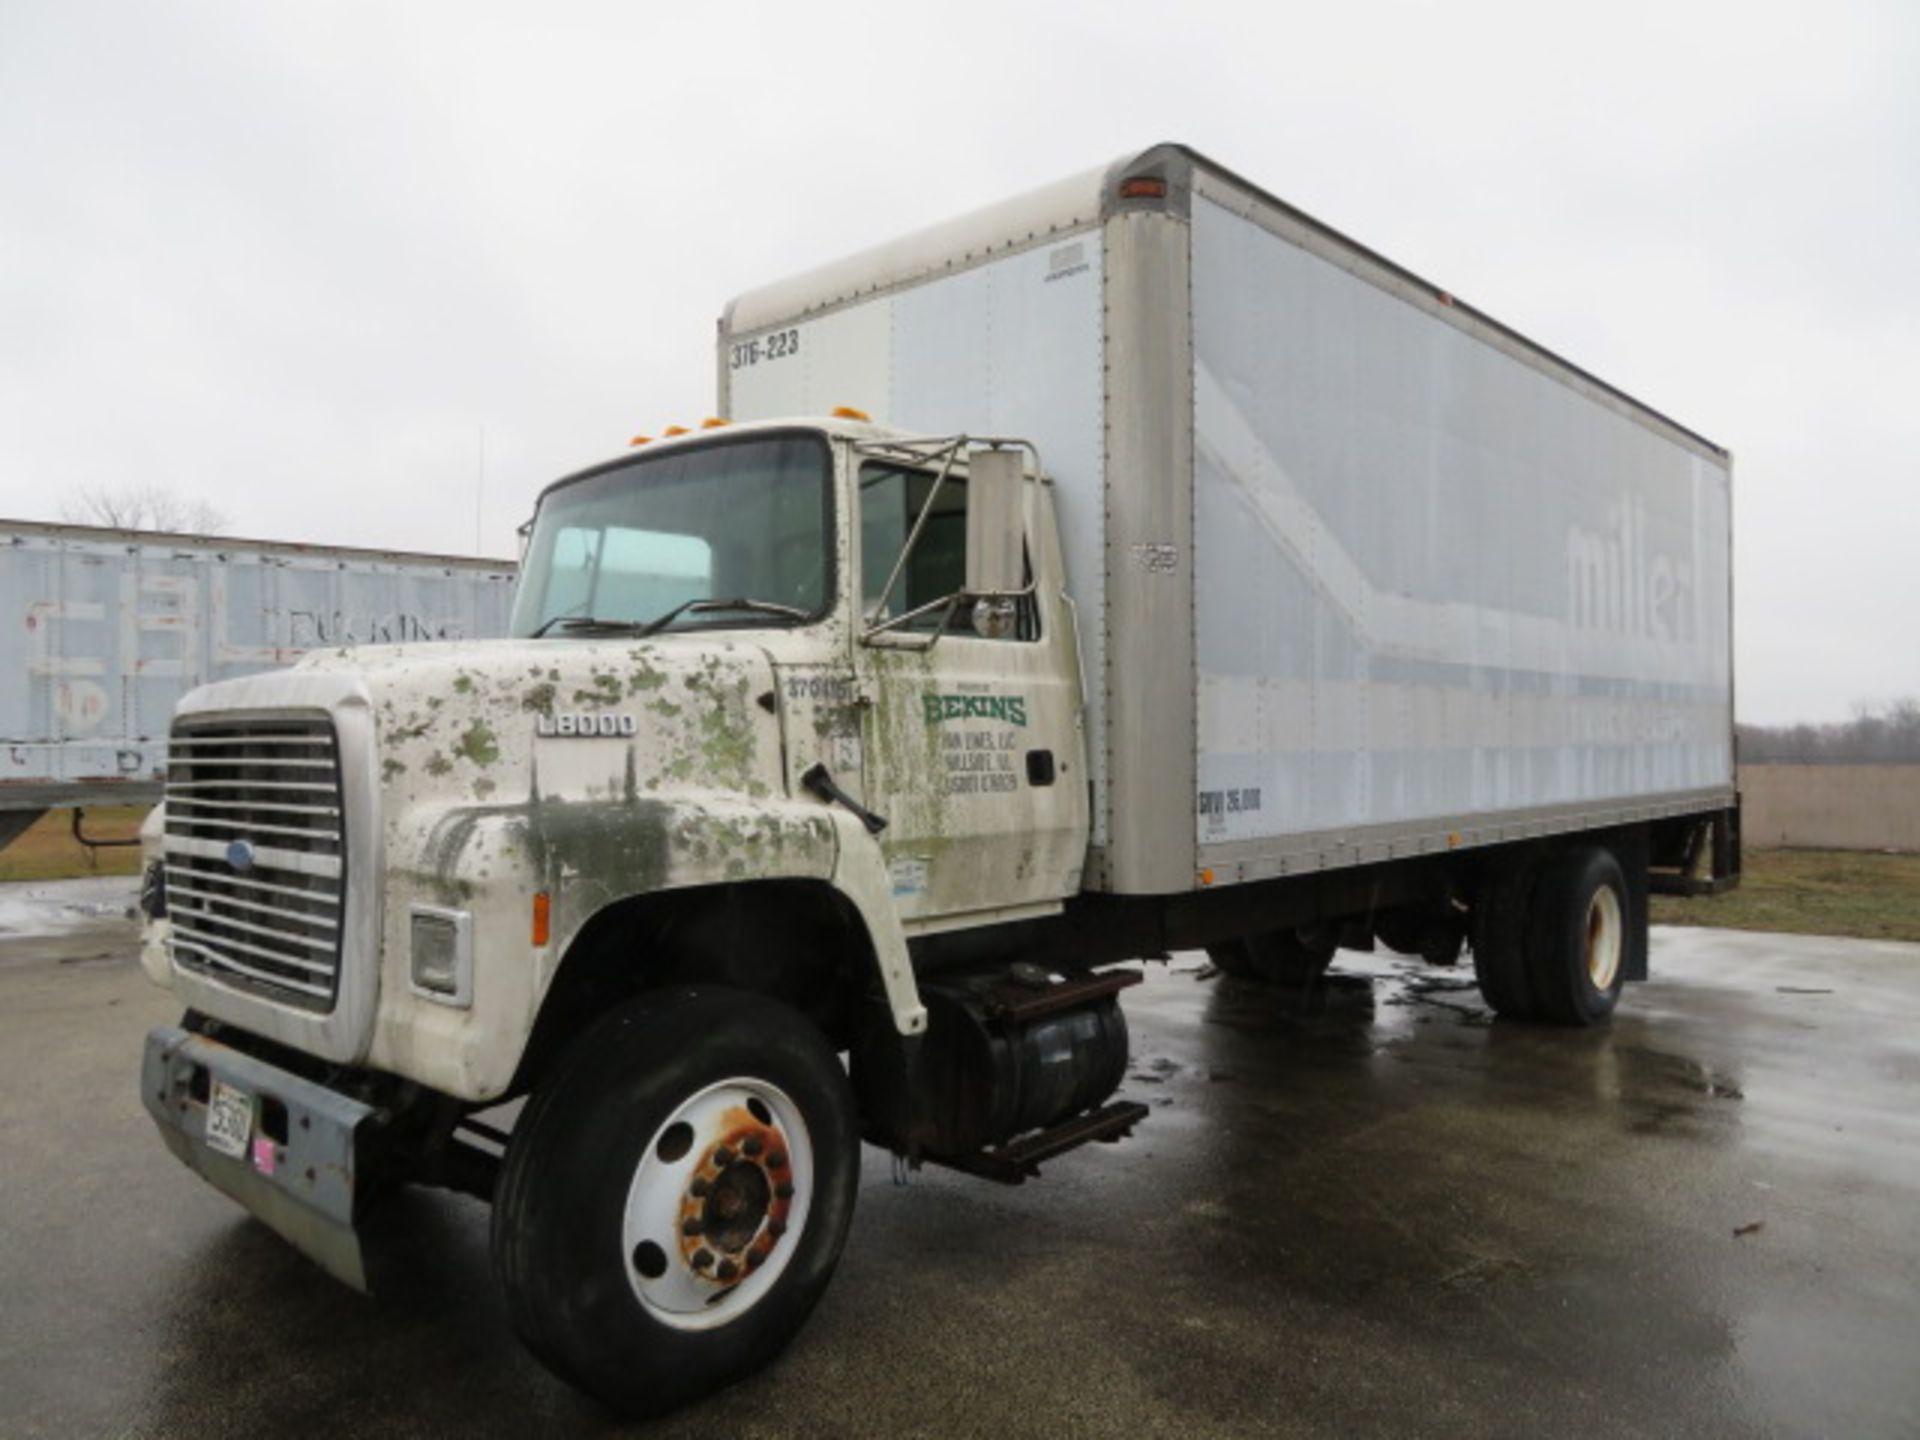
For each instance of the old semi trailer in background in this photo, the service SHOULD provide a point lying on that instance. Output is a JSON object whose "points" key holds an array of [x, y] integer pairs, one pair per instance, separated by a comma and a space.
{"points": [[1136, 565], [107, 629]]}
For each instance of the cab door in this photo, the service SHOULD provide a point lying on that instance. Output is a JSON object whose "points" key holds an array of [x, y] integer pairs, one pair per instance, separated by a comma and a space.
{"points": [[973, 742]]}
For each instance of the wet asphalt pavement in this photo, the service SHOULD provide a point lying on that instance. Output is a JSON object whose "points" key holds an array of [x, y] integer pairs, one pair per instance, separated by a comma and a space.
{"points": [[1392, 1217]]}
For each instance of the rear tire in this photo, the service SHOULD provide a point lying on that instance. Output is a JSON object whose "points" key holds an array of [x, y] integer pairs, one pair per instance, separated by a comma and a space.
{"points": [[712, 1109], [1279, 957], [1500, 939], [1402, 931], [1285, 958], [1231, 957], [1577, 937], [1442, 941]]}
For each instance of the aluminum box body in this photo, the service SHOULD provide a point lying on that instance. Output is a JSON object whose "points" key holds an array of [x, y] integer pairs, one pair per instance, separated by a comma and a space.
{"points": [[109, 629], [1360, 572]]}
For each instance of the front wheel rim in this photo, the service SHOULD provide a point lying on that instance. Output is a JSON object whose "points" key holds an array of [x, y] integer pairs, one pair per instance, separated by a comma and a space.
{"points": [[719, 1201], [1605, 937]]}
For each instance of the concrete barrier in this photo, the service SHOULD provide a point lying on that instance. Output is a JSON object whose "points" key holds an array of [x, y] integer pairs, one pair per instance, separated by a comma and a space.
{"points": [[1831, 807]]}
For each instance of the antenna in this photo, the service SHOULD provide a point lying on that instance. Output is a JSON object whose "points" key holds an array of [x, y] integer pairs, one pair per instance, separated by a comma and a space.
{"points": [[479, 488]]}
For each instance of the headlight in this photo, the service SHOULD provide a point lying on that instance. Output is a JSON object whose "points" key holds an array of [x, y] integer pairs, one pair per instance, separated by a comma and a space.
{"points": [[440, 962]]}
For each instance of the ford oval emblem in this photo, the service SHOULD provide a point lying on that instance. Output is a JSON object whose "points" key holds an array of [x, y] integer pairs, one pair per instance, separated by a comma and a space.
{"points": [[240, 854]]}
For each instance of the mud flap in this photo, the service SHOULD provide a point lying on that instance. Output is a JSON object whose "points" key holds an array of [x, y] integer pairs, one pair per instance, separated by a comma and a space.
{"points": [[295, 1169], [1630, 848]]}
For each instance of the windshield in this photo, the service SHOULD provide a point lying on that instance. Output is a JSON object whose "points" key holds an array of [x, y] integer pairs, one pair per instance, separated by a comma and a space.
{"points": [[736, 520]]}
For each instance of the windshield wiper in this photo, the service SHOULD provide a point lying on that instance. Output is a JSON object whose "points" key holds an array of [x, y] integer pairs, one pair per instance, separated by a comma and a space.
{"points": [[583, 622], [659, 622], [701, 607]]}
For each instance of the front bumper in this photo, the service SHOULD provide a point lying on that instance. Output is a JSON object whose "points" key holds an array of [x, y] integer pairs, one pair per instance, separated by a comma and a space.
{"points": [[297, 1172]]}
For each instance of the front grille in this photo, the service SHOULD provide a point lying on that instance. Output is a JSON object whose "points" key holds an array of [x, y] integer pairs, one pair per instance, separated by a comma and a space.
{"points": [[256, 856]]}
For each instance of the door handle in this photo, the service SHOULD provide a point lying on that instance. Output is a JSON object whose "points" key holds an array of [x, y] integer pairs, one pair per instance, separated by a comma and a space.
{"points": [[1040, 767]]}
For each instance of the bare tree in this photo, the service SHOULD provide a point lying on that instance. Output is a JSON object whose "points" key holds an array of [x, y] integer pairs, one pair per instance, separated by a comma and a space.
{"points": [[1877, 735], [142, 507]]}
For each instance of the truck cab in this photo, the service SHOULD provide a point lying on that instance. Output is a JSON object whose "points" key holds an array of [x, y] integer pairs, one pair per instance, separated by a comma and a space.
{"points": [[779, 700]]}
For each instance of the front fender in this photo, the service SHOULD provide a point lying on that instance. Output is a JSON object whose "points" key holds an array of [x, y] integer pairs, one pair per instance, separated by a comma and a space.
{"points": [[861, 876], [593, 856], [490, 862], [718, 840]]}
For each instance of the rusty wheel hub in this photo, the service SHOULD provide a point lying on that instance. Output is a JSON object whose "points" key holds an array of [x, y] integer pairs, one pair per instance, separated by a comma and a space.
{"points": [[736, 1206], [717, 1203]]}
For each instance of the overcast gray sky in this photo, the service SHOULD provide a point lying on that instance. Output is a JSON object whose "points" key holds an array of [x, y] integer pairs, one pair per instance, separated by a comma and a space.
{"points": [[293, 259]]}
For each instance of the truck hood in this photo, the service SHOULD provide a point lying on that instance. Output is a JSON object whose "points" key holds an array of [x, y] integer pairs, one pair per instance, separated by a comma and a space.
{"points": [[506, 721], [498, 781]]}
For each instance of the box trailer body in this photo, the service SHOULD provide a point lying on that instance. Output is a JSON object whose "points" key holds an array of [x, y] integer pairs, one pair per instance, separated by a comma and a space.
{"points": [[1359, 572], [111, 628]]}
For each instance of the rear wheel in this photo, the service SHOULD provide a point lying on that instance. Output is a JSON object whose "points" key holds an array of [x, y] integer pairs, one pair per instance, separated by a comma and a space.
{"points": [[1441, 943], [675, 1200], [1281, 957], [1577, 940], [1291, 959], [1231, 957], [1500, 939], [1431, 932]]}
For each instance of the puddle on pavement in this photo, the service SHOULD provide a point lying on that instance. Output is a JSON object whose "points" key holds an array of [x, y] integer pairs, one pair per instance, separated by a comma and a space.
{"points": [[1377, 1006], [1660, 1093]]}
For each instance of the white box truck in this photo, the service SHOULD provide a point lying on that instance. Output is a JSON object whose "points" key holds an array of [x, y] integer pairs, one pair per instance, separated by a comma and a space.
{"points": [[1136, 565]]}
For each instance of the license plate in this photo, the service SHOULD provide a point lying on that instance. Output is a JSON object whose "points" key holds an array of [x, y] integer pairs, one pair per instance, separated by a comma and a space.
{"points": [[229, 1119]]}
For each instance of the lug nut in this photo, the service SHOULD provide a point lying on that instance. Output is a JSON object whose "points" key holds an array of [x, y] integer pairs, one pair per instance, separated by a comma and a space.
{"points": [[702, 1258], [727, 1271], [784, 1190], [698, 1189], [778, 1159], [754, 1145], [776, 1228], [690, 1226], [722, 1157], [754, 1257]]}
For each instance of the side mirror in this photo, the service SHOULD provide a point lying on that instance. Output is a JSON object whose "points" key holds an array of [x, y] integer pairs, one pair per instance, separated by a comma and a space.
{"points": [[996, 525]]}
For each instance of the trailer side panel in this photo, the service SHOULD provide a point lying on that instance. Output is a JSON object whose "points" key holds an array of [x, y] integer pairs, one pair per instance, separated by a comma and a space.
{"points": [[106, 630], [1439, 586]]}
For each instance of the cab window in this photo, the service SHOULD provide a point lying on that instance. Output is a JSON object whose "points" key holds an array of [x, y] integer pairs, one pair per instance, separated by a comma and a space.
{"points": [[891, 499]]}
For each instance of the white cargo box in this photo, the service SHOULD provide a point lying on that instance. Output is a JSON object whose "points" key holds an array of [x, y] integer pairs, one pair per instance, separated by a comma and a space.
{"points": [[107, 629], [1360, 572]]}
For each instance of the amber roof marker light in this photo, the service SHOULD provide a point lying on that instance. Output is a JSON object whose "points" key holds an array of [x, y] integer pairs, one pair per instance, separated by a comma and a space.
{"points": [[1143, 187], [847, 412]]}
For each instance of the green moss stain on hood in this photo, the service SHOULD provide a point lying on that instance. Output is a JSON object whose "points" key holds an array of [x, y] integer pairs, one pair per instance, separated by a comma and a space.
{"points": [[590, 756], [478, 744]]}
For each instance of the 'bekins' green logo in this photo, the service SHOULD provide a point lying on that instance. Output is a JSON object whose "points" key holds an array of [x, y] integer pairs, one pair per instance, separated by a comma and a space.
{"points": [[942, 708]]}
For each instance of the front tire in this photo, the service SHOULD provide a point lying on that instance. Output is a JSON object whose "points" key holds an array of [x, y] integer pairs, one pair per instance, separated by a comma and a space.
{"points": [[676, 1197]]}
